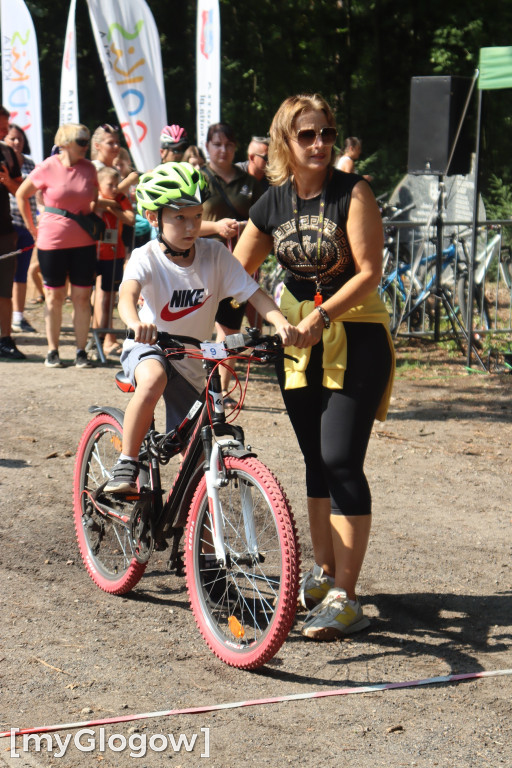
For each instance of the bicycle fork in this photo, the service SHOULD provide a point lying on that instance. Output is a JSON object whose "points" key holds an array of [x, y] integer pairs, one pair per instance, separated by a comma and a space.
{"points": [[216, 478]]}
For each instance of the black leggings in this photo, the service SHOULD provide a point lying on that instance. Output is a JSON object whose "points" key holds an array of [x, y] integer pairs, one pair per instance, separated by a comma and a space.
{"points": [[333, 426]]}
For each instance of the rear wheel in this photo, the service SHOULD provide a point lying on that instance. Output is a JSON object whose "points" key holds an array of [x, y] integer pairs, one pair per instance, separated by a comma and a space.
{"points": [[246, 609], [392, 303], [482, 317], [103, 524]]}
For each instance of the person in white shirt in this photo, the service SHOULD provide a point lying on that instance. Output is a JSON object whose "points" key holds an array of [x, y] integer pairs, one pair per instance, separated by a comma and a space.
{"points": [[181, 279]]}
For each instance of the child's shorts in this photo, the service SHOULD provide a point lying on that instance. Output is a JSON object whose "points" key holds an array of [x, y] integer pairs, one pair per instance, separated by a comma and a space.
{"points": [[179, 396]]}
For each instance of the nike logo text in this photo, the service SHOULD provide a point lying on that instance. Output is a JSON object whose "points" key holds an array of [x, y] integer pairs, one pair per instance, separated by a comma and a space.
{"points": [[188, 300]]}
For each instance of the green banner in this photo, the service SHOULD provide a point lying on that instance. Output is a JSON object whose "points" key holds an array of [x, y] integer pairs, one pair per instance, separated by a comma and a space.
{"points": [[495, 68]]}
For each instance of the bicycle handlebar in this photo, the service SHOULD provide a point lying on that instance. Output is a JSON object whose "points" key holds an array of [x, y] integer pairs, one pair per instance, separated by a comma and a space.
{"points": [[268, 347]]}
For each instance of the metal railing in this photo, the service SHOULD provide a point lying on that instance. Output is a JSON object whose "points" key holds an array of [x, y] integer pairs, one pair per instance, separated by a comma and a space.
{"points": [[426, 291]]}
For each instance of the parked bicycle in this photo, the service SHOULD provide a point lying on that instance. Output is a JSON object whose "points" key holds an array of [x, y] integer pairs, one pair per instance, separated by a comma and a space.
{"points": [[484, 256], [241, 554], [407, 288], [395, 249]]}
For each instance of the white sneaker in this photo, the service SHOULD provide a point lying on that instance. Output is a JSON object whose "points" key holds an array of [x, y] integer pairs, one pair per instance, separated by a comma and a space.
{"points": [[314, 587], [334, 617]]}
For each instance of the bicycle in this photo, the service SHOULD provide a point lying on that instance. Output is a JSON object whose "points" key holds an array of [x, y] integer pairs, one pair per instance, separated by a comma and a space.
{"points": [[241, 556], [483, 259], [407, 288]]}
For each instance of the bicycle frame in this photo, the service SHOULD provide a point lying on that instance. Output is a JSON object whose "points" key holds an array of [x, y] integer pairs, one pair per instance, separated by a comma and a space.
{"points": [[201, 429]]}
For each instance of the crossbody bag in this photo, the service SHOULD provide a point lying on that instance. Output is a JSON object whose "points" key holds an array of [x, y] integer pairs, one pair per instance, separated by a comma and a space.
{"points": [[90, 222]]}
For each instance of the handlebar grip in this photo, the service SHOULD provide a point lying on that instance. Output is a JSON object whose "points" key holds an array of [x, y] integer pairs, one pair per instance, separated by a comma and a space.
{"points": [[167, 338]]}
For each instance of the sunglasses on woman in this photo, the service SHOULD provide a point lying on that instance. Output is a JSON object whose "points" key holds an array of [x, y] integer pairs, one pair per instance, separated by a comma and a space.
{"points": [[82, 142], [110, 128], [306, 137]]}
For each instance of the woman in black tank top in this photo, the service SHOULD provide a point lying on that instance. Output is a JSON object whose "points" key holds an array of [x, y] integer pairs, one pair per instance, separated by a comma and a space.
{"points": [[325, 228]]}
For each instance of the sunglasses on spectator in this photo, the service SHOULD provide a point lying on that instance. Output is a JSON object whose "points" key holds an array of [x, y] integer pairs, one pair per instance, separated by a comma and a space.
{"points": [[306, 137], [110, 128], [263, 157], [82, 142]]}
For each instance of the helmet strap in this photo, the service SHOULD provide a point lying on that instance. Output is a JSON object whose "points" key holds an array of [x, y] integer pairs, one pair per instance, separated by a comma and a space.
{"points": [[168, 249]]}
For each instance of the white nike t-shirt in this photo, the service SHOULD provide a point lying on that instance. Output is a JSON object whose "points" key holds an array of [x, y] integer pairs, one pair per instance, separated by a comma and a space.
{"points": [[184, 300]]}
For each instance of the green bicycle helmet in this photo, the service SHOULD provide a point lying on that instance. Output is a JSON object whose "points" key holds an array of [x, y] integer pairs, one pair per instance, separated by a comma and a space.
{"points": [[170, 185]]}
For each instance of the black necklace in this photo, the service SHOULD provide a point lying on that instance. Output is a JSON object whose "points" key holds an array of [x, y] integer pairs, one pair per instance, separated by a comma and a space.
{"points": [[319, 233]]}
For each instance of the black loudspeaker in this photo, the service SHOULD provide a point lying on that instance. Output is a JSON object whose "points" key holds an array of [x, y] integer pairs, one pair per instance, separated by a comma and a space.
{"points": [[437, 106]]}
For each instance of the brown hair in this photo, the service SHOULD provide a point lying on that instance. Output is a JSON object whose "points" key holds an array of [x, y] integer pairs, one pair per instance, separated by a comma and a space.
{"points": [[224, 128], [193, 151], [280, 166], [107, 172]]}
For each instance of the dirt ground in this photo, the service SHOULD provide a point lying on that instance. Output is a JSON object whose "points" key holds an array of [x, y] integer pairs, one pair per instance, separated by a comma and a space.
{"points": [[437, 585]]}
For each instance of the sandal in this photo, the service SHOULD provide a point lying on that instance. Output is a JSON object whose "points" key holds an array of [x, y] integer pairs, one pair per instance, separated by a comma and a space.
{"points": [[38, 300], [116, 349], [229, 402]]}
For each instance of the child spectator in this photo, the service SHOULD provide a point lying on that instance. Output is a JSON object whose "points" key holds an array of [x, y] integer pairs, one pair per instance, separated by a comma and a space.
{"points": [[115, 210], [140, 233], [182, 279], [123, 164]]}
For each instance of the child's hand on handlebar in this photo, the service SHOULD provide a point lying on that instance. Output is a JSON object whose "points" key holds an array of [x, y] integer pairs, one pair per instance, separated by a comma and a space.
{"points": [[145, 333]]}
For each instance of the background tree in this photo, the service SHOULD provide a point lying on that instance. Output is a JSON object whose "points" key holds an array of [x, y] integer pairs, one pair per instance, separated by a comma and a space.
{"points": [[360, 54]]}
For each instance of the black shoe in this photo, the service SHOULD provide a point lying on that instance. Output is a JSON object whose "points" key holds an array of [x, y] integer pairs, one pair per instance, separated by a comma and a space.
{"points": [[52, 359], [123, 478], [22, 326], [9, 349], [81, 359]]}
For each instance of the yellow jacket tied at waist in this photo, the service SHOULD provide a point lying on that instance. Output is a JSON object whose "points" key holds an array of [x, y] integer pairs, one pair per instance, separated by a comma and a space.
{"points": [[334, 339]]}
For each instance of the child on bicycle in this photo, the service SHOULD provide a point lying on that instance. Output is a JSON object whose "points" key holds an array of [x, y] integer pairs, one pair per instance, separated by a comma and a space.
{"points": [[182, 279]]}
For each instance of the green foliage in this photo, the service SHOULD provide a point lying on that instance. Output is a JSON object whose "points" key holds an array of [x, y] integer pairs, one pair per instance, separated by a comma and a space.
{"points": [[498, 199], [360, 54], [454, 47]]}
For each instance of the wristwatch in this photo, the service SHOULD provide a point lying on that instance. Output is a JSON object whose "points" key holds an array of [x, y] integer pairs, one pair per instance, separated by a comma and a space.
{"points": [[325, 317]]}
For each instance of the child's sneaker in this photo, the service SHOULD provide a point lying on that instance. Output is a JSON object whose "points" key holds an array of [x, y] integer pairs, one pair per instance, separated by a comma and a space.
{"points": [[123, 478], [314, 587], [334, 617]]}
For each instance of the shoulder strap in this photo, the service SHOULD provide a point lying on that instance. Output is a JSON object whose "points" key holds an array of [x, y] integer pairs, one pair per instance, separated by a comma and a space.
{"points": [[61, 212], [218, 188]]}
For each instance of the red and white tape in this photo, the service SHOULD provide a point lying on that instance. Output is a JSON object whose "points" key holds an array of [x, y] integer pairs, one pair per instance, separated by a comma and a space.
{"points": [[258, 702]]}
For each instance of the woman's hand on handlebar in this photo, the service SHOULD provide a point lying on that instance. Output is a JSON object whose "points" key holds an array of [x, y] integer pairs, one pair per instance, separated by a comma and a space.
{"points": [[310, 329], [290, 335], [144, 333]]}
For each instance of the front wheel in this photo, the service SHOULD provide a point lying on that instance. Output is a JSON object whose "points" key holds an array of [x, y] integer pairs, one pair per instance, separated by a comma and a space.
{"points": [[246, 609], [103, 530]]}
